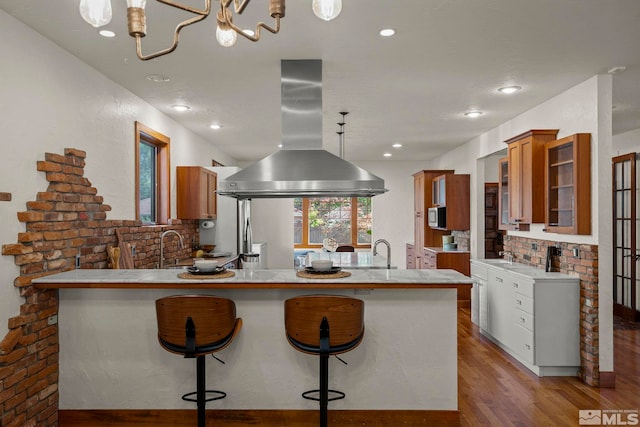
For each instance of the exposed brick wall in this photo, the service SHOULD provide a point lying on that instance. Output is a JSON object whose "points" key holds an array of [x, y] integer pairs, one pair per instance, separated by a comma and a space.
{"points": [[66, 220], [463, 239], [584, 266]]}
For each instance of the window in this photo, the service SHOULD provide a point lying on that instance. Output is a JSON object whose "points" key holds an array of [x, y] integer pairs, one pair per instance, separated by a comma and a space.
{"points": [[152, 176], [345, 219]]}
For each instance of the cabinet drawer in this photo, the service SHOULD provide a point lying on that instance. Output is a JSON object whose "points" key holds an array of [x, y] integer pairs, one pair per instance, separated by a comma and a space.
{"points": [[522, 286], [524, 344], [523, 303], [523, 319]]}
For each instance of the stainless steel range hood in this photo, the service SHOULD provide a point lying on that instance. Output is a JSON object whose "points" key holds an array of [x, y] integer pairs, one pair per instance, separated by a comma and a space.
{"points": [[301, 168]]}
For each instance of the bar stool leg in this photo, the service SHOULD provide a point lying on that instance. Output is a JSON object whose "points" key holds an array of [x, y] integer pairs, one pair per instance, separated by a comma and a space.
{"points": [[324, 371], [200, 387]]}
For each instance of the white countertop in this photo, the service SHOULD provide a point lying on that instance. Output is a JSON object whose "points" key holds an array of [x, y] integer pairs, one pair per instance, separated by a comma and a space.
{"points": [[522, 269], [155, 276]]}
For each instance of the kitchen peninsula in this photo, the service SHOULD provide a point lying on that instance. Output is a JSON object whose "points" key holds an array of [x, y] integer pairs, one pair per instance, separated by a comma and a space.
{"points": [[110, 357]]}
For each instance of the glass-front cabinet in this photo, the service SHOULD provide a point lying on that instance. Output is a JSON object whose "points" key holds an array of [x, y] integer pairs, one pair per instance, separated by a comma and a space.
{"points": [[568, 180], [503, 194]]}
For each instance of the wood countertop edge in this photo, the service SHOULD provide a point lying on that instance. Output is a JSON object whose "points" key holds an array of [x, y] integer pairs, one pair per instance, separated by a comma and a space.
{"points": [[254, 286]]}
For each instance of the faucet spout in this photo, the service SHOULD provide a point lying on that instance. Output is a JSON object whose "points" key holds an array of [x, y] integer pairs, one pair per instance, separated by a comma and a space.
{"points": [[162, 244], [375, 250]]}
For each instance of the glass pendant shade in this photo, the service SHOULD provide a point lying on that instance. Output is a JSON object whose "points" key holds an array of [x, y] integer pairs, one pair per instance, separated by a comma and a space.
{"points": [[96, 12], [137, 3], [326, 9], [226, 38]]}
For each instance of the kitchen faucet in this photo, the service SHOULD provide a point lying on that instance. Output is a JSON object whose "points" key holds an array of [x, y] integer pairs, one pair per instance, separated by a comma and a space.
{"points": [[375, 251], [509, 256], [162, 244]]}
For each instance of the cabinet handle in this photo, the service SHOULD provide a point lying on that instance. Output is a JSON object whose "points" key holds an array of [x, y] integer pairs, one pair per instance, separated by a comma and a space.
{"points": [[515, 285], [522, 320], [518, 302], [528, 346], [498, 279], [517, 220]]}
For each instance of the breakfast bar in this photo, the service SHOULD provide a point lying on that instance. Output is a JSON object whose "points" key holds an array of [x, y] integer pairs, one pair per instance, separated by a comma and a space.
{"points": [[110, 357]]}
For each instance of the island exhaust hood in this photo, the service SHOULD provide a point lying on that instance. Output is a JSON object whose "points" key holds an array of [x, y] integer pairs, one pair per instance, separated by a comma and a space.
{"points": [[301, 168]]}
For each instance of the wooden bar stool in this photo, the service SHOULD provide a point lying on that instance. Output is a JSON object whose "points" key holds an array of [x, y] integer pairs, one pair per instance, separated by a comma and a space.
{"points": [[195, 326], [324, 325]]}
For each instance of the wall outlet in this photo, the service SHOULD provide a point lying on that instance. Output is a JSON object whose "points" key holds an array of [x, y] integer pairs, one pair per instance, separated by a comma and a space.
{"points": [[52, 320], [534, 246], [575, 252], [77, 261]]}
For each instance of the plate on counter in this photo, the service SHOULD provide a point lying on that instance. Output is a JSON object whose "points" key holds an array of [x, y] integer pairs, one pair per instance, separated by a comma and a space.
{"points": [[217, 254], [195, 271], [333, 270]]}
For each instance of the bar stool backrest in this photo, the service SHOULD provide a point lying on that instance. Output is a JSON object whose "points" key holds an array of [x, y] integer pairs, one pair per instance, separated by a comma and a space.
{"points": [[303, 316], [214, 319]]}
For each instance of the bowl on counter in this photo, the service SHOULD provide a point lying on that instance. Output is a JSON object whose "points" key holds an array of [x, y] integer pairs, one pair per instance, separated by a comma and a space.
{"points": [[450, 246], [322, 264], [206, 265]]}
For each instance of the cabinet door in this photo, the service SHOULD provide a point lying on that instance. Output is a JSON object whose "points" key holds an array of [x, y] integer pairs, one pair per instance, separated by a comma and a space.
{"points": [[500, 302], [503, 194], [568, 178], [196, 198]]}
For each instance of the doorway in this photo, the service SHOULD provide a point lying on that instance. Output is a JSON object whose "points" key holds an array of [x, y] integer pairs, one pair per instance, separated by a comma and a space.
{"points": [[492, 235], [626, 287]]}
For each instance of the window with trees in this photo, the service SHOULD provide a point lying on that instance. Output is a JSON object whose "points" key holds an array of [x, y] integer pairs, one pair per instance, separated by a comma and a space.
{"points": [[152, 176], [345, 219]]}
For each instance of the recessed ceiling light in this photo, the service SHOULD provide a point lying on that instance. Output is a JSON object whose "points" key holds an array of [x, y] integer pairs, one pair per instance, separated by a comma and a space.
{"points": [[157, 78], [616, 70], [509, 89], [387, 154], [473, 113], [180, 107], [107, 33], [397, 145], [387, 32], [279, 145], [216, 127]]}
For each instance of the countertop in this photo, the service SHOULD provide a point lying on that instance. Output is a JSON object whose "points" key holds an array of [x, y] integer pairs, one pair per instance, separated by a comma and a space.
{"points": [[522, 269], [352, 260], [253, 279], [440, 249]]}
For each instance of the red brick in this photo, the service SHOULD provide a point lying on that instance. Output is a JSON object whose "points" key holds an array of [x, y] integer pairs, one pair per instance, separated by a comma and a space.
{"points": [[40, 206], [10, 340], [72, 170], [29, 258], [15, 400], [12, 380], [74, 152], [48, 331], [29, 237], [37, 387], [16, 249], [5, 371], [28, 339], [60, 187], [17, 321], [30, 216]]}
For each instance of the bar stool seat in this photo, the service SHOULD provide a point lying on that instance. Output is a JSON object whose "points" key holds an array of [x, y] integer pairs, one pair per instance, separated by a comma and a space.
{"points": [[324, 325], [195, 326]]}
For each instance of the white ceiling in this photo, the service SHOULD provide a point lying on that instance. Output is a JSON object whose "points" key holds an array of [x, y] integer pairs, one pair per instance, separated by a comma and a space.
{"points": [[448, 56]]}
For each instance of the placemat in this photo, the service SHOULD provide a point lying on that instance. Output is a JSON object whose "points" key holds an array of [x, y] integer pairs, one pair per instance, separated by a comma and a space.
{"points": [[338, 275], [224, 275]]}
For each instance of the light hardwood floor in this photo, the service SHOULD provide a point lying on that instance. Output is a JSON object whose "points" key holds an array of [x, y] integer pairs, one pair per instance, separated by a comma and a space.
{"points": [[494, 390]]}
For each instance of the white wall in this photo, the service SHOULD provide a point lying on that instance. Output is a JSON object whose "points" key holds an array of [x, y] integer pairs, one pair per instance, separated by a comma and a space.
{"points": [[52, 101], [628, 142]]}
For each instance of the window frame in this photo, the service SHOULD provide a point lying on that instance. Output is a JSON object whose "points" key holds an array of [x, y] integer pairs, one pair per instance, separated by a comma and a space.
{"points": [[144, 134], [354, 227]]}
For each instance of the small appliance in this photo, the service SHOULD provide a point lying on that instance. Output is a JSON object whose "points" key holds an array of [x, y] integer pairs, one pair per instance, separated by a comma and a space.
{"points": [[437, 217]]}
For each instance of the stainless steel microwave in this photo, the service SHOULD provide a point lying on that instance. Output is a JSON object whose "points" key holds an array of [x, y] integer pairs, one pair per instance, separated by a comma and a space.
{"points": [[437, 217]]}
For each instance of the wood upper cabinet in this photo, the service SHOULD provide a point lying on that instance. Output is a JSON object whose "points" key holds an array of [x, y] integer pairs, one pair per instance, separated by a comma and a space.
{"points": [[196, 192], [526, 175], [568, 180], [422, 197], [452, 191]]}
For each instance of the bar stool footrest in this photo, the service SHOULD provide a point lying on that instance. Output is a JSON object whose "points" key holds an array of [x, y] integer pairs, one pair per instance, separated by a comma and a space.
{"points": [[339, 395], [217, 396]]}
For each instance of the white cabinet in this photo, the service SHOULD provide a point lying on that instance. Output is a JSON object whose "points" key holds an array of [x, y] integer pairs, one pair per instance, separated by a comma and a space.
{"points": [[531, 314]]}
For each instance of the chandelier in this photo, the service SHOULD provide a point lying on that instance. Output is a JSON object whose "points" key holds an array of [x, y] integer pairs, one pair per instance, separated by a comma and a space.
{"points": [[98, 13]]}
